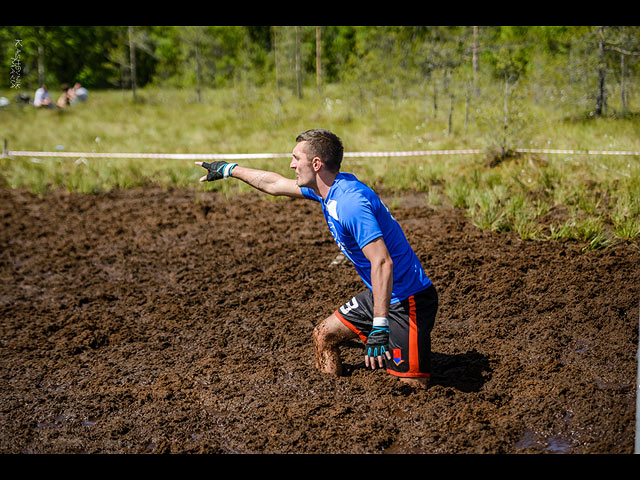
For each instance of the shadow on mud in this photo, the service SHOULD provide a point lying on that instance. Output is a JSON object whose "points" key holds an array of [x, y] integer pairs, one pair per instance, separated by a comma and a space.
{"points": [[466, 372]]}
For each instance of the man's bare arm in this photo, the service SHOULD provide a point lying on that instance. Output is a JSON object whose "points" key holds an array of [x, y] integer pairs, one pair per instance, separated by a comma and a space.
{"points": [[381, 275], [268, 182], [381, 286]]}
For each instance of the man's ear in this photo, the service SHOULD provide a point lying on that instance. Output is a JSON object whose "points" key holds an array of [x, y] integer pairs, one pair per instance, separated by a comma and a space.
{"points": [[316, 163]]}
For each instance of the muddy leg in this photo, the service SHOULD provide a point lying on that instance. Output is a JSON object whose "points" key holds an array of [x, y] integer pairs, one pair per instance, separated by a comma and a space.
{"points": [[327, 337]]}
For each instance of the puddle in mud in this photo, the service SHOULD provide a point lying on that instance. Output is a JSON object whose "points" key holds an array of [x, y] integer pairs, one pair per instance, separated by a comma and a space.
{"points": [[89, 421], [557, 445], [51, 424], [45, 425], [612, 385], [527, 440], [550, 444]]}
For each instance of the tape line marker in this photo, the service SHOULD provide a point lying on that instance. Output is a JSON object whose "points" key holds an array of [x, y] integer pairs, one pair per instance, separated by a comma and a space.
{"points": [[239, 156]]}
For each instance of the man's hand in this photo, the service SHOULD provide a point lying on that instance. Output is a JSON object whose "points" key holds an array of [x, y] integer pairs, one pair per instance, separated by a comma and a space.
{"points": [[378, 343], [217, 170]]}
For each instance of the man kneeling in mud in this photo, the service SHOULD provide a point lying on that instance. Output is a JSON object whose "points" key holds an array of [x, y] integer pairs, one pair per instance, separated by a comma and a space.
{"points": [[395, 314]]}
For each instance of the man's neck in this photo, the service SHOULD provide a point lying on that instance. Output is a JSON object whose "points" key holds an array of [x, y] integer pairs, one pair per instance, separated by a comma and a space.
{"points": [[324, 182]]}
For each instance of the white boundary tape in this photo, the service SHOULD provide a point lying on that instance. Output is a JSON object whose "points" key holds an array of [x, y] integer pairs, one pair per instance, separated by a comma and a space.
{"points": [[411, 153], [228, 156], [576, 152], [175, 156], [239, 156]]}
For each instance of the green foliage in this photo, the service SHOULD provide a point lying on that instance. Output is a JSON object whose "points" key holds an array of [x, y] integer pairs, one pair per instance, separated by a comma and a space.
{"points": [[626, 218], [70, 54], [93, 54]]}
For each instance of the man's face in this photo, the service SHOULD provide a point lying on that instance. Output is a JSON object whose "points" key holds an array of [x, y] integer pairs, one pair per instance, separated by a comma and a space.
{"points": [[303, 165]]}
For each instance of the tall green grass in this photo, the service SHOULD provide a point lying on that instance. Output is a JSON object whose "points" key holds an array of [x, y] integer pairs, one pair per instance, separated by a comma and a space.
{"points": [[598, 195]]}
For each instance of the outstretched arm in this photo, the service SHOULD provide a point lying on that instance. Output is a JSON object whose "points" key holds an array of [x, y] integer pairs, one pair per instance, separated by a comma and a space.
{"points": [[262, 180]]}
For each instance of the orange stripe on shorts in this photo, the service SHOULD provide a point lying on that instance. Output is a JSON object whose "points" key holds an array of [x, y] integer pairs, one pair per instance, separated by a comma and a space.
{"points": [[414, 364], [350, 326]]}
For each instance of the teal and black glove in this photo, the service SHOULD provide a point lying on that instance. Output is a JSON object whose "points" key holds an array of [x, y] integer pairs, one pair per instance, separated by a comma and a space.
{"points": [[378, 339], [218, 170]]}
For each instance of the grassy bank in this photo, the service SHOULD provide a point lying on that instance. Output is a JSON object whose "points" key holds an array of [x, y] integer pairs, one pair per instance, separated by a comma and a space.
{"points": [[592, 199]]}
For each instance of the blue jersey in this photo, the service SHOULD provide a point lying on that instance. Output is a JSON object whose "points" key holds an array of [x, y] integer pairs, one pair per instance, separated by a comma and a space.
{"points": [[356, 216]]}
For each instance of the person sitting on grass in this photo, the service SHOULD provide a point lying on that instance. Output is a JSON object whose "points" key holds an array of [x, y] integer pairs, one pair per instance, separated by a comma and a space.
{"points": [[42, 97], [65, 99], [78, 93]]}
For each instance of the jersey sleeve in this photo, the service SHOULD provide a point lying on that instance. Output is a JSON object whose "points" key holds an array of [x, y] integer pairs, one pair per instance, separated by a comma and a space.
{"points": [[310, 194], [358, 217]]}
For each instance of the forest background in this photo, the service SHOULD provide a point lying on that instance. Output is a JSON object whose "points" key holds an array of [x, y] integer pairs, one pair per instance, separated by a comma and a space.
{"points": [[389, 88], [574, 62]]}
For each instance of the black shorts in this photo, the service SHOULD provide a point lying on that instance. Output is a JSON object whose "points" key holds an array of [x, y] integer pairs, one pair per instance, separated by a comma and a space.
{"points": [[410, 325]]}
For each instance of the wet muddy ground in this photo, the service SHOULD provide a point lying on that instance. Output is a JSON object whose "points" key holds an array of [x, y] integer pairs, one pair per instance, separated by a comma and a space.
{"points": [[180, 321]]}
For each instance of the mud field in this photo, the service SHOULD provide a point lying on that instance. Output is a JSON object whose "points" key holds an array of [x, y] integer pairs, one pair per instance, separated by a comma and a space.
{"points": [[150, 321]]}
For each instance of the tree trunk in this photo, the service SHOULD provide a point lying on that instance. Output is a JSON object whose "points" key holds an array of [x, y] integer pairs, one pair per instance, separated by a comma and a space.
{"points": [[466, 111], [600, 101], [318, 59], [298, 72], [475, 57], [198, 71], [123, 75], [275, 57], [40, 65], [435, 96], [506, 117], [132, 62], [450, 111], [623, 84]]}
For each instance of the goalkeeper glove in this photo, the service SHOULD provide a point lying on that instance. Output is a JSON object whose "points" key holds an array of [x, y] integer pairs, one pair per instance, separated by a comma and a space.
{"points": [[378, 340], [218, 170]]}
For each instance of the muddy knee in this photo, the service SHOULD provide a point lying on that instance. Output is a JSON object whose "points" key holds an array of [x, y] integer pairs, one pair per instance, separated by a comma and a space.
{"points": [[322, 336], [317, 334], [327, 337]]}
